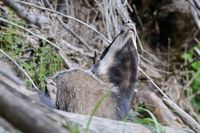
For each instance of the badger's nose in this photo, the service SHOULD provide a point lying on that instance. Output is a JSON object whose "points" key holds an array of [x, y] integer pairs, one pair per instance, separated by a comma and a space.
{"points": [[130, 35]]}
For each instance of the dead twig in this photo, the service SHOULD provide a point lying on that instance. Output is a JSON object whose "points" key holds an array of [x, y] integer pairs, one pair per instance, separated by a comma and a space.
{"points": [[157, 106], [81, 51], [191, 80], [195, 12], [22, 13], [22, 28], [186, 117], [74, 34], [11, 59], [58, 49], [66, 16], [137, 15], [197, 52], [154, 84], [7, 126], [67, 62]]}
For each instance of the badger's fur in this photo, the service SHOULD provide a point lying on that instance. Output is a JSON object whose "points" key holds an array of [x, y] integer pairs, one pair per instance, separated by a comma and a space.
{"points": [[116, 72], [79, 92]]}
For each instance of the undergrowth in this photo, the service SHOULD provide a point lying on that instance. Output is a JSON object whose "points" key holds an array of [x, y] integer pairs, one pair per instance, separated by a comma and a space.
{"points": [[73, 128], [194, 67], [42, 61], [151, 121], [38, 61]]}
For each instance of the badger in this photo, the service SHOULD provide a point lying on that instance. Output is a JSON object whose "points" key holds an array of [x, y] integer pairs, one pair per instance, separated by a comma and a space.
{"points": [[115, 74]]}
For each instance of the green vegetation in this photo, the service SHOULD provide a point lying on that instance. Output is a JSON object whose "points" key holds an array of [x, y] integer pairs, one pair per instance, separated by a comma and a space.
{"points": [[195, 84], [75, 129], [152, 122], [149, 119], [38, 61], [98, 104], [72, 128], [43, 62]]}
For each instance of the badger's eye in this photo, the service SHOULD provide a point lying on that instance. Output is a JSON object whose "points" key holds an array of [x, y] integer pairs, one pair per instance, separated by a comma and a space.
{"points": [[122, 31], [129, 21], [126, 21]]}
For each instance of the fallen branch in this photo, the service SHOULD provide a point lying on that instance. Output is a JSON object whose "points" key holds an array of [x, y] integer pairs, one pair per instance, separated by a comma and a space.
{"points": [[19, 112], [67, 62], [100, 125], [6, 126]]}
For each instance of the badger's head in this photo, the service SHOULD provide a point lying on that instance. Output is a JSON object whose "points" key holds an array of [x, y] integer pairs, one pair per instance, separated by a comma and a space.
{"points": [[119, 61], [118, 65]]}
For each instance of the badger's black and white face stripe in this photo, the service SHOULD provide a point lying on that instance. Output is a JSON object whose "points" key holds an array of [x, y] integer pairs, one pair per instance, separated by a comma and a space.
{"points": [[109, 57], [119, 64], [119, 42]]}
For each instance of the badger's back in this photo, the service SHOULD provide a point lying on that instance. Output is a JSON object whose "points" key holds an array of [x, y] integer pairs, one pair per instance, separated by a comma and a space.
{"points": [[79, 91]]}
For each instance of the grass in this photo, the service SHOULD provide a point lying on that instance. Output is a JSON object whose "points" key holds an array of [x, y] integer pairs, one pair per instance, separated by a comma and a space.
{"points": [[99, 102], [195, 85], [152, 121], [38, 61], [73, 128]]}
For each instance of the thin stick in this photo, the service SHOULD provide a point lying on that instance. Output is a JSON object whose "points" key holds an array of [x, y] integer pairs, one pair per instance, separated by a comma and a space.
{"points": [[10, 58], [191, 80], [168, 55], [193, 95], [74, 34], [137, 15], [67, 62], [22, 13], [59, 50], [63, 15], [42, 38], [141, 49], [155, 85], [196, 40], [75, 19], [187, 118]]}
